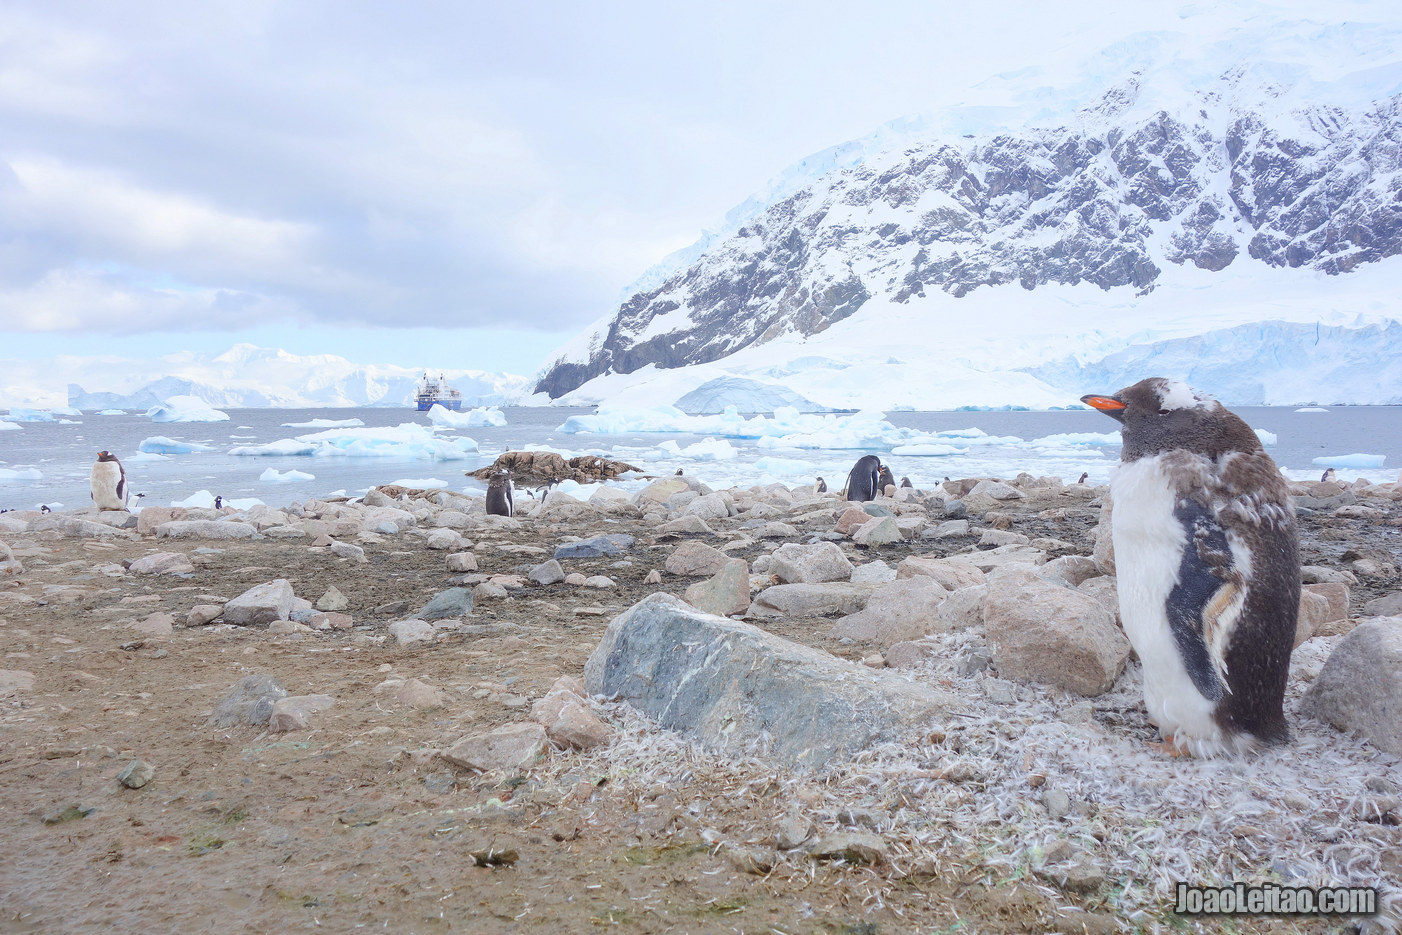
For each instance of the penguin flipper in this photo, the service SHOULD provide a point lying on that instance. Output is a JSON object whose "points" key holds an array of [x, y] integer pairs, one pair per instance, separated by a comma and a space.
{"points": [[1207, 599]]}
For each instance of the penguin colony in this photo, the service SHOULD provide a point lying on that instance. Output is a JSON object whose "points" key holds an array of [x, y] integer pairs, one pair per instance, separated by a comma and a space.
{"points": [[1208, 568]]}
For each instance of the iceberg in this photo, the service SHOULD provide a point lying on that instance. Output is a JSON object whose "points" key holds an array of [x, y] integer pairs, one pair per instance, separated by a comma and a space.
{"points": [[444, 417], [141, 456], [710, 449], [274, 476], [1077, 440], [185, 409], [323, 424], [160, 445], [1360, 461], [419, 483], [8, 474], [1268, 439], [1311, 409], [112, 412], [18, 414], [408, 440], [744, 395], [8, 426], [927, 450], [204, 500]]}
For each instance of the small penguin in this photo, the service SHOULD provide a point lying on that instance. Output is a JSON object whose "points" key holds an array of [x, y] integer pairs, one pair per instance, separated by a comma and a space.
{"points": [[679, 472], [863, 481], [44, 508], [1083, 477], [108, 482], [885, 478], [1208, 567], [820, 486], [1328, 475], [499, 494], [219, 502], [905, 482]]}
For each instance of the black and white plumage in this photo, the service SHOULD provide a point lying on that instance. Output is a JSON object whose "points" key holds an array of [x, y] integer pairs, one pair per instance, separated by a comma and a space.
{"points": [[905, 482], [499, 494], [884, 479], [1328, 475], [1208, 568], [108, 482], [864, 480], [820, 486]]}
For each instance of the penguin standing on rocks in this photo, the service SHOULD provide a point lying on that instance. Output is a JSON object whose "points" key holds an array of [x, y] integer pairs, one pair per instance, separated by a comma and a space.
{"points": [[219, 502], [1208, 567], [1083, 477], [863, 481], [885, 478], [905, 482], [108, 482], [499, 494], [820, 486], [1328, 475]]}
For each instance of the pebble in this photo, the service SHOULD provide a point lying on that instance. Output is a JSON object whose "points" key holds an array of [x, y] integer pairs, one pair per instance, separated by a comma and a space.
{"points": [[333, 599], [136, 774]]}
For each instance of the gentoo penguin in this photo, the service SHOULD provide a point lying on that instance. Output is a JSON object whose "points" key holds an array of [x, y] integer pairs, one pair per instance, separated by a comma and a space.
{"points": [[1208, 567], [108, 482], [905, 482], [219, 502], [679, 472], [863, 481], [499, 493], [1083, 477], [885, 478], [820, 486], [1328, 475]]}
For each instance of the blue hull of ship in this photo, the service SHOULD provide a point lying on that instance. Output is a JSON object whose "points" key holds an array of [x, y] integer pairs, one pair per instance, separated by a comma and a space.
{"points": [[454, 404]]}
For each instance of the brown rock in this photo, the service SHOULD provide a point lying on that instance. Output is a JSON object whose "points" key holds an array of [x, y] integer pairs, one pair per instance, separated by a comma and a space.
{"points": [[152, 516], [910, 654], [568, 720], [728, 592], [515, 746], [695, 558], [416, 694], [461, 561], [202, 614], [951, 575], [905, 609], [1336, 593], [851, 519], [158, 625], [294, 712]]}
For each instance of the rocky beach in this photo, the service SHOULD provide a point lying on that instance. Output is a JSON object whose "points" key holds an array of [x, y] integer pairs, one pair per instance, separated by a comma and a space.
{"points": [[677, 709]]}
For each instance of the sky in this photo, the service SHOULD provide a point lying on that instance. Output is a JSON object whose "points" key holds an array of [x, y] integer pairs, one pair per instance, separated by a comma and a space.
{"points": [[443, 184]]}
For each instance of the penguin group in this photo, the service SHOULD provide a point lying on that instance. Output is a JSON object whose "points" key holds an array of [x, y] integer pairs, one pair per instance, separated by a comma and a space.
{"points": [[1207, 566]]}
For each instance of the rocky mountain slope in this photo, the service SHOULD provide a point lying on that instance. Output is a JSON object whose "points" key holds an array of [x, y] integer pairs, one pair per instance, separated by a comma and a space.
{"points": [[1240, 173]]}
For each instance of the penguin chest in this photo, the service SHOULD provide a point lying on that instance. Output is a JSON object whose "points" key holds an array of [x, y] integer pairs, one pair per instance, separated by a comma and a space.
{"points": [[106, 485], [1149, 542]]}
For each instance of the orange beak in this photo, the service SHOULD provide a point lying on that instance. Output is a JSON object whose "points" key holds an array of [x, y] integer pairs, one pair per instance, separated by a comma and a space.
{"points": [[1111, 406]]}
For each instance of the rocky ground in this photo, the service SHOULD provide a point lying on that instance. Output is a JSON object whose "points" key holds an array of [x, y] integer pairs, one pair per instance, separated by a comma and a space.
{"points": [[406, 715]]}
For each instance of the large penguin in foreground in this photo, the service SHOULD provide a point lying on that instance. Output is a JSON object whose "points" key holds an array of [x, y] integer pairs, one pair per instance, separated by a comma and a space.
{"points": [[499, 501], [863, 481], [108, 482], [1208, 567]]}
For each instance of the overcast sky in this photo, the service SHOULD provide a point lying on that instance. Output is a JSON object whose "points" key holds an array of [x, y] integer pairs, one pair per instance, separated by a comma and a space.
{"points": [[323, 176]]}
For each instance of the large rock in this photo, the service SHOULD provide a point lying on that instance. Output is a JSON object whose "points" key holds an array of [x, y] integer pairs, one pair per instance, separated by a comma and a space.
{"points": [[1335, 594], [10, 567], [1042, 630], [882, 530], [906, 609], [685, 525], [792, 563], [596, 547], [963, 608], [162, 563], [204, 529], [1003, 555], [546, 573], [660, 491], [1389, 605], [728, 592], [951, 575], [1360, 687], [736, 688], [412, 631], [295, 711], [261, 604], [1104, 555], [453, 602], [806, 600], [153, 516], [709, 507], [514, 747], [695, 558]]}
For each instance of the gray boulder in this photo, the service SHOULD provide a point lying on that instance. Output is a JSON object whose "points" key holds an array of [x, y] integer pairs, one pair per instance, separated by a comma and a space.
{"points": [[204, 529], [454, 602], [728, 592], [261, 604], [1360, 687], [806, 600], [1045, 631], [546, 573], [248, 703], [902, 610], [695, 558], [792, 563], [736, 688], [596, 547], [514, 747]]}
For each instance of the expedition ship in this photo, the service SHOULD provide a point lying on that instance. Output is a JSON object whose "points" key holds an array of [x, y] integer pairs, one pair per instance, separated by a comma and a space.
{"points": [[436, 392]]}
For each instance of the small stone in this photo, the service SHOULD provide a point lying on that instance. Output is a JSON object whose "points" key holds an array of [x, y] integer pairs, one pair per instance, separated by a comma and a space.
{"points": [[416, 694], [460, 562], [792, 831], [412, 631], [728, 592], [854, 847], [756, 860], [331, 621], [653, 577], [877, 532], [442, 540], [249, 702], [599, 581], [136, 774], [568, 720], [1000, 691], [575, 579], [453, 602], [440, 783], [546, 573], [333, 599], [157, 626], [792, 563], [1056, 802], [348, 551], [1359, 689], [162, 563], [295, 711], [596, 547], [910, 653], [261, 604], [488, 591], [515, 746]]}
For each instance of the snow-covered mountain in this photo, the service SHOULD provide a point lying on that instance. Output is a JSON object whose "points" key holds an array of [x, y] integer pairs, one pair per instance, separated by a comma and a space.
{"points": [[1260, 182], [245, 376]]}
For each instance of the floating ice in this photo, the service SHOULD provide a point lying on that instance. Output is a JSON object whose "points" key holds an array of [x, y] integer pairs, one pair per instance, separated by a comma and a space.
{"points": [[160, 445], [1267, 438], [185, 409], [444, 417], [408, 440], [927, 450], [322, 424], [112, 412], [710, 449], [204, 500], [1312, 409], [745, 395], [1352, 461], [30, 415], [1077, 440], [419, 483], [8, 474], [141, 456], [785, 467], [6, 426], [287, 447], [274, 476]]}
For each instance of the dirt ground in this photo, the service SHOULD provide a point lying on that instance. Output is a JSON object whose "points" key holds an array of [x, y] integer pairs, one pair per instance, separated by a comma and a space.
{"points": [[353, 824]]}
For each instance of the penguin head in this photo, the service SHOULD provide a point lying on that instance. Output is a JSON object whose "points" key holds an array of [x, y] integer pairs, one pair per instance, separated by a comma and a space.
{"points": [[105, 456], [1160, 415]]}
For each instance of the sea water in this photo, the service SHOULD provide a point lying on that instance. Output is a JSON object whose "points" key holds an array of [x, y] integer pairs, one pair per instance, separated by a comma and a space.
{"points": [[1060, 443]]}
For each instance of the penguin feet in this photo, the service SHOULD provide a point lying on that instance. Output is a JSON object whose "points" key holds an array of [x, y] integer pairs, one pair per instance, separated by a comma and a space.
{"points": [[1168, 748]]}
